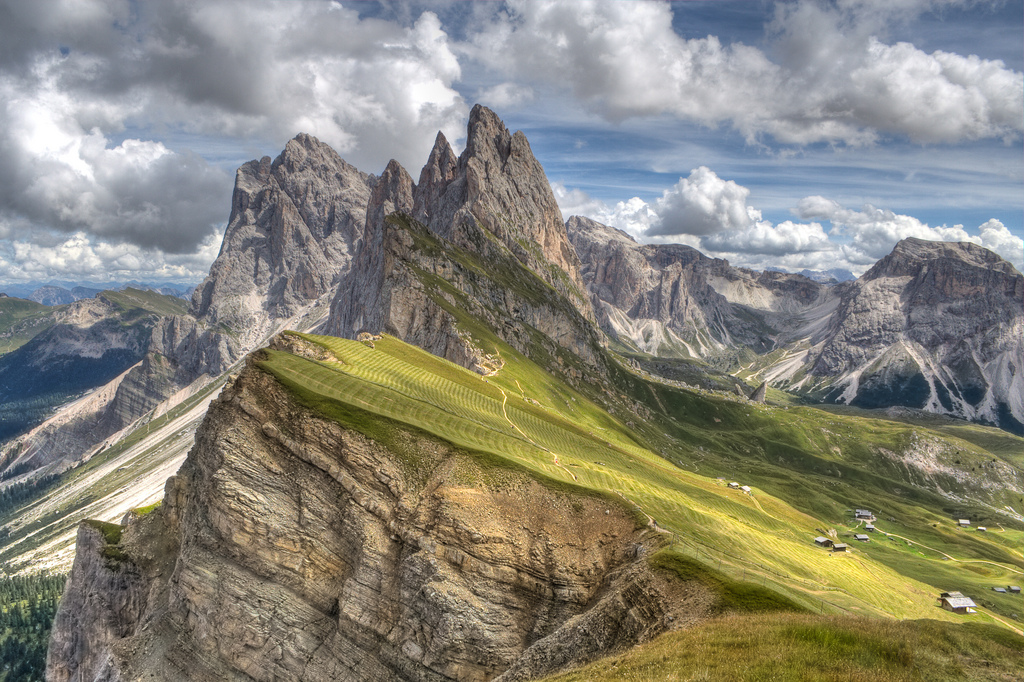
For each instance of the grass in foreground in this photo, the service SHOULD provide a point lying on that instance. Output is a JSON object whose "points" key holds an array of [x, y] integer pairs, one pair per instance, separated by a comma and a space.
{"points": [[805, 647], [524, 417]]}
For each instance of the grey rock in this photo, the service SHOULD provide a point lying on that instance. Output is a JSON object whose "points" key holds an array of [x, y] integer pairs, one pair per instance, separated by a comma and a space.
{"points": [[289, 548]]}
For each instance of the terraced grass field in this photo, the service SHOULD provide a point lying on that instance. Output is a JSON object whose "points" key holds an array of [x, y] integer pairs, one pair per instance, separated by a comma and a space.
{"points": [[524, 417]]}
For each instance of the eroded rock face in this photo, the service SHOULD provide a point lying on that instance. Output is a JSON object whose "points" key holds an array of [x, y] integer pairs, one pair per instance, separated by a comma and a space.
{"points": [[498, 185], [305, 551], [933, 325], [103, 606], [481, 231], [293, 229], [294, 225], [671, 299]]}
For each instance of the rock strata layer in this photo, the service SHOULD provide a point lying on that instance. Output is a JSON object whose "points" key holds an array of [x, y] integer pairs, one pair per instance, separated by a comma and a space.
{"points": [[290, 548]]}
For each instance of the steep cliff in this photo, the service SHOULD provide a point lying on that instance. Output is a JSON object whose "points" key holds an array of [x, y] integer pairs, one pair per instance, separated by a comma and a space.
{"points": [[293, 228], [497, 186], [933, 325], [672, 300], [479, 234], [305, 550], [936, 326]]}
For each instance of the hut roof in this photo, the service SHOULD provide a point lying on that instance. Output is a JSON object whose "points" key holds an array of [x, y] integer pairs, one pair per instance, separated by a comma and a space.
{"points": [[960, 602]]}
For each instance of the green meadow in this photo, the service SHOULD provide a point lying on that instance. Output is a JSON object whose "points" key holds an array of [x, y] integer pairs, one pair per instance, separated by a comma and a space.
{"points": [[807, 470]]}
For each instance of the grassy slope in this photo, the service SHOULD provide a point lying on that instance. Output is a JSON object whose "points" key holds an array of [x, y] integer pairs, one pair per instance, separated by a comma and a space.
{"points": [[525, 417], [147, 301], [21, 320], [814, 648]]}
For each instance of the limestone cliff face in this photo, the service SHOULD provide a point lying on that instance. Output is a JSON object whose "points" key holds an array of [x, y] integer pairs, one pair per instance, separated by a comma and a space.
{"points": [[480, 233], [671, 299], [293, 228], [99, 609], [933, 325], [936, 326], [498, 185], [295, 549]]}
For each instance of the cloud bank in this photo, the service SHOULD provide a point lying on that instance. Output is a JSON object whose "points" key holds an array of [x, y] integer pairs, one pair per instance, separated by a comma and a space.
{"points": [[712, 214], [829, 79], [104, 105], [86, 86]]}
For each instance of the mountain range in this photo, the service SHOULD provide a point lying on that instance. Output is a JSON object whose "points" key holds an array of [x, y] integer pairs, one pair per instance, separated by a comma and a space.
{"points": [[478, 454]]}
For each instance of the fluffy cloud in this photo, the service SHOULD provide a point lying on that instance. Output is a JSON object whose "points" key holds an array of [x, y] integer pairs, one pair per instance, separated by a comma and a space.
{"points": [[994, 236], [702, 204], [832, 79], [58, 174], [86, 258], [634, 216], [764, 239], [85, 86], [713, 215]]}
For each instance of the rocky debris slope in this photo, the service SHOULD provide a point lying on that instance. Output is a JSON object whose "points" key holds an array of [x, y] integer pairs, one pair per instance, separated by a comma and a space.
{"points": [[291, 548]]}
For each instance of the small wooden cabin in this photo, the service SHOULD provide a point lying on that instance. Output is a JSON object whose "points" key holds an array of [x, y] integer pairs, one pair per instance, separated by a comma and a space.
{"points": [[956, 602]]}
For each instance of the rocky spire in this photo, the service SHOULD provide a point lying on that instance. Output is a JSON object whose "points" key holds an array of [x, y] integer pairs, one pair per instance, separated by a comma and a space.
{"points": [[293, 228], [498, 185]]}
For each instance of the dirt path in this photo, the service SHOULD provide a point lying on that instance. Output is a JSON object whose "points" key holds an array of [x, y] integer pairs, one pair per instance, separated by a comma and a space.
{"points": [[554, 456], [951, 558], [997, 618], [650, 519]]}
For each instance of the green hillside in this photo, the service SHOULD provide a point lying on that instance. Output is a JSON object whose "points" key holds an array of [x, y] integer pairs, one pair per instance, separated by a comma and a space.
{"points": [[60, 361], [21, 320], [667, 467], [817, 649]]}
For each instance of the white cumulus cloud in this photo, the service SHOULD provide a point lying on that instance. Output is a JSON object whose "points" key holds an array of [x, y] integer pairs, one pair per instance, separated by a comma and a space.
{"points": [[830, 78], [702, 204], [93, 92]]}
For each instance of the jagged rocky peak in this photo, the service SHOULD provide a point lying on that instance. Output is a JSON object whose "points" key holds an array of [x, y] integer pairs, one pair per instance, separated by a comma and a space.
{"points": [[497, 184], [910, 255], [933, 325], [293, 229]]}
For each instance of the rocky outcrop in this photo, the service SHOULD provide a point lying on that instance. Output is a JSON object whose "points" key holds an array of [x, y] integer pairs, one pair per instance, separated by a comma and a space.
{"points": [[293, 228], [759, 393], [302, 550], [672, 300], [102, 607], [933, 325], [480, 233], [497, 186]]}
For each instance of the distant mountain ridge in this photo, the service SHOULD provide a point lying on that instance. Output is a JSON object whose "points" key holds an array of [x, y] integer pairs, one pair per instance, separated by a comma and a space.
{"points": [[937, 326], [62, 292]]}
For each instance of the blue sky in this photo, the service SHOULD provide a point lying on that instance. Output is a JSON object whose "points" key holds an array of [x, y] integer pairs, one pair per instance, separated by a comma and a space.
{"points": [[775, 134]]}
